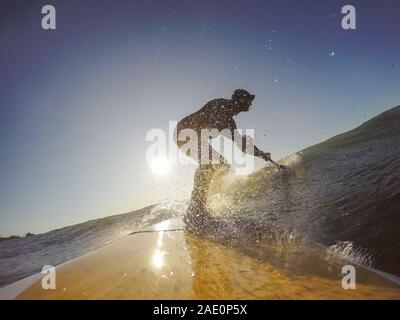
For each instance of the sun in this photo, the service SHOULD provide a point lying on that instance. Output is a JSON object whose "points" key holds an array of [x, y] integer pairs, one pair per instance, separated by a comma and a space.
{"points": [[160, 166]]}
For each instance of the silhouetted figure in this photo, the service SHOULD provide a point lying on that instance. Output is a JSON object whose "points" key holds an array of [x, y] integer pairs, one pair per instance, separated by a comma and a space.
{"points": [[216, 114]]}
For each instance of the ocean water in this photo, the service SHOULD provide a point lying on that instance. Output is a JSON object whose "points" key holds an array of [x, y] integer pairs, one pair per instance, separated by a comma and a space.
{"points": [[26, 256], [342, 195]]}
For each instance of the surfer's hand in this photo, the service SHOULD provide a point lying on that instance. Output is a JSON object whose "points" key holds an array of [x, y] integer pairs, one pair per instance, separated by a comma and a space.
{"points": [[266, 156]]}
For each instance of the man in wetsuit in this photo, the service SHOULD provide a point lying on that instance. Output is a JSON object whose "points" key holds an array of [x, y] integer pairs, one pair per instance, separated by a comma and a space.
{"points": [[217, 114]]}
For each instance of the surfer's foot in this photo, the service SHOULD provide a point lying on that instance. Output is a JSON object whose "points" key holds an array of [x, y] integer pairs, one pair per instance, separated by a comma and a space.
{"points": [[202, 221], [195, 217]]}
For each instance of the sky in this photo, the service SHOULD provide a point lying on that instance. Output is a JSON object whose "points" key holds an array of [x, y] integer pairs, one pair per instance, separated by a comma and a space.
{"points": [[76, 102]]}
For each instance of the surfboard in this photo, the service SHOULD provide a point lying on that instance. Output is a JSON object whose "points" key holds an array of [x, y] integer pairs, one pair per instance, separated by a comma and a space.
{"points": [[165, 261]]}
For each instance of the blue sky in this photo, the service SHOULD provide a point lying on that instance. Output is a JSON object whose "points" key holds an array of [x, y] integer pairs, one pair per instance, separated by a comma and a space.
{"points": [[76, 102]]}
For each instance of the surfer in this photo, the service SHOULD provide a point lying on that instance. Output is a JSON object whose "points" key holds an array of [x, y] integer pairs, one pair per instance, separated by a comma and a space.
{"points": [[216, 114]]}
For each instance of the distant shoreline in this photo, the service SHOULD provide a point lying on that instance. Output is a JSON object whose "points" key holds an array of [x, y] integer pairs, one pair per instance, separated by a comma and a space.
{"points": [[15, 237]]}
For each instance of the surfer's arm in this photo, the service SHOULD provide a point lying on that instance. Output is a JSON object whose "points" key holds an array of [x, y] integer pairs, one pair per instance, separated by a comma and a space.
{"points": [[246, 144]]}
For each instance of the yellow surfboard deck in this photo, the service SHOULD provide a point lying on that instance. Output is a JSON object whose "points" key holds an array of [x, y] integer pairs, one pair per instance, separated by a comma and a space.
{"points": [[177, 264]]}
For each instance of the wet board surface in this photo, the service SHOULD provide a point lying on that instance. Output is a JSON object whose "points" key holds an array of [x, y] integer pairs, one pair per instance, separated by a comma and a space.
{"points": [[157, 264]]}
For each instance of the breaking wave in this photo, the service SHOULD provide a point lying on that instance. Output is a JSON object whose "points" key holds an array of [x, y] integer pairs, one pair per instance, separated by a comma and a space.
{"points": [[342, 194]]}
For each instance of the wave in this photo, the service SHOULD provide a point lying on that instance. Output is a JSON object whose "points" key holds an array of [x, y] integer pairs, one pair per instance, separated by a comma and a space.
{"points": [[343, 194]]}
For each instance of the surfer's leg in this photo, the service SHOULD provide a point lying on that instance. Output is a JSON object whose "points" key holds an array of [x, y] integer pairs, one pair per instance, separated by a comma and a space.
{"points": [[197, 214], [216, 183], [198, 217], [205, 176], [202, 179]]}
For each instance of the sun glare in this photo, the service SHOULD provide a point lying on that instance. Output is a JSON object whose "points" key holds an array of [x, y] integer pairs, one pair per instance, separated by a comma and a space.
{"points": [[160, 166]]}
